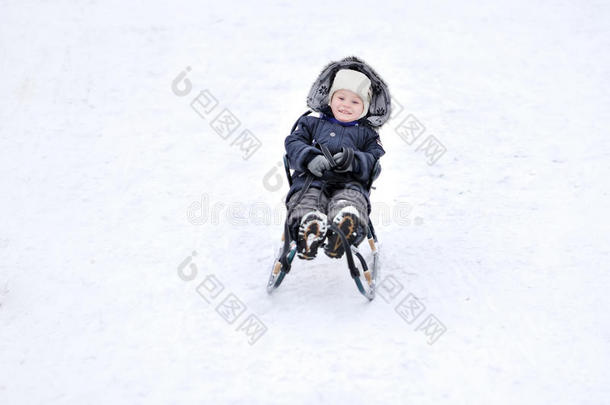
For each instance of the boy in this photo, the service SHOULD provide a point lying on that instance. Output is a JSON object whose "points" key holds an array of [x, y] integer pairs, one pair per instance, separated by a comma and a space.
{"points": [[333, 157]]}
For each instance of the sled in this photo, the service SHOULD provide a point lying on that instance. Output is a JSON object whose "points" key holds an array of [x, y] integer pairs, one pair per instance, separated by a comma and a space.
{"points": [[365, 274]]}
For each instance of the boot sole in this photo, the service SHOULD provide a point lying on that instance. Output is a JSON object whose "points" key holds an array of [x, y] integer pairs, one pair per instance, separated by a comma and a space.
{"points": [[317, 232], [348, 224]]}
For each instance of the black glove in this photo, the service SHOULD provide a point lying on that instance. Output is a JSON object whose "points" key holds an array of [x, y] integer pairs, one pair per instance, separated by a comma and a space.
{"points": [[344, 160]]}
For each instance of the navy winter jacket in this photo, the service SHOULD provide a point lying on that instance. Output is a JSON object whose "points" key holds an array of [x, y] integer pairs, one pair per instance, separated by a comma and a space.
{"points": [[310, 131]]}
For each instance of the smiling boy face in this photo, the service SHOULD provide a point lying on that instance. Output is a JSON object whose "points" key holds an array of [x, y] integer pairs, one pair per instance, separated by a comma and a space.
{"points": [[346, 105]]}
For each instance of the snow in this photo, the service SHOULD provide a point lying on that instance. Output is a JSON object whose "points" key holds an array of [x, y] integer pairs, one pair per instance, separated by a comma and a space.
{"points": [[106, 174]]}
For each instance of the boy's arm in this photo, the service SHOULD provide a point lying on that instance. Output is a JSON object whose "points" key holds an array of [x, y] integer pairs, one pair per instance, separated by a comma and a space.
{"points": [[298, 145], [365, 159]]}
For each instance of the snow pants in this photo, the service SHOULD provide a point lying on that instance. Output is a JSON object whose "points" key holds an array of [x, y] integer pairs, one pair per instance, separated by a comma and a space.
{"points": [[328, 202]]}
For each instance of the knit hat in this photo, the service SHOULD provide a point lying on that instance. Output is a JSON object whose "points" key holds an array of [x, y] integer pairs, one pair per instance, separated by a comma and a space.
{"points": [[352, 80]]}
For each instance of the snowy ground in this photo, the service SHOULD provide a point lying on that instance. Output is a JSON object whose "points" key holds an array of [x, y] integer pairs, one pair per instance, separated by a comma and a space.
{"points": [[111, 180]]}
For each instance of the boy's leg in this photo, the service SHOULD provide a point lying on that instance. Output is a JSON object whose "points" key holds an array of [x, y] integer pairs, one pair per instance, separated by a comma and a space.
{"points": [[347, 209], [308, 222]]}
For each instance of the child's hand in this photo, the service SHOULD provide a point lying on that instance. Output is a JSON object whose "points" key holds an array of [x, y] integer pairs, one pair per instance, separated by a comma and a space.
{"points": [[318, 165], [344, 160]]}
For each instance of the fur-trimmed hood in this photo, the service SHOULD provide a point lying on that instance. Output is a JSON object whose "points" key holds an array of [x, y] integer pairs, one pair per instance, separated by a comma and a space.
{"points": [[380, 107]]}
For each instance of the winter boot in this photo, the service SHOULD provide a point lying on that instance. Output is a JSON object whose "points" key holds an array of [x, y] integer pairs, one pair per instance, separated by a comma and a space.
{"points": [[348, 221], [312, 232]]}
